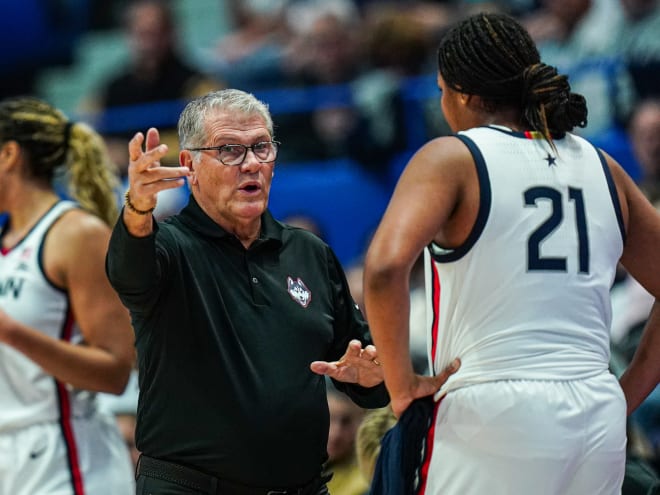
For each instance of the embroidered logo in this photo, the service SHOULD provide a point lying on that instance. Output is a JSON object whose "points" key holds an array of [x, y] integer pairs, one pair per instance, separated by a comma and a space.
{"points": [[298, 291]]}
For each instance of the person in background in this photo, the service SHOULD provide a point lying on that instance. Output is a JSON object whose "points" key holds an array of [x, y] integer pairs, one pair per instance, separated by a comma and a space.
{"points": [[345, 418], [238, 317], [252, 54], [522, 224], [324, 51], [156, 73], [644, 134], [64, 334], [373, 427], [638, 44]]}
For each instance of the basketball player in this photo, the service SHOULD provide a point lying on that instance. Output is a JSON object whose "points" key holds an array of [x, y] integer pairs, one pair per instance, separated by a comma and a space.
{"points": [[63, 332], [525, 223]]}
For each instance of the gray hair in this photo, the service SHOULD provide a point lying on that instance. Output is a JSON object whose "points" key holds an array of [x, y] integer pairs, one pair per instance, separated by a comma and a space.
{"points": [[192, 127]]}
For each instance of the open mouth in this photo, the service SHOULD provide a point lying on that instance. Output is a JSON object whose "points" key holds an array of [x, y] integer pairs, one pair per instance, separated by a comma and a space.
{"points": [[250, 188]]}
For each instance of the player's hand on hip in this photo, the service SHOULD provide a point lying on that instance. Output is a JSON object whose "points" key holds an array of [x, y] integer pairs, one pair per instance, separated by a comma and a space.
{"points": [[423, 386]]}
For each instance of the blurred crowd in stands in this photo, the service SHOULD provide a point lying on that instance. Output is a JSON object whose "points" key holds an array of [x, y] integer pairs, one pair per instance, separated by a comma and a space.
{"points": [[339, 74], [351, 85]]}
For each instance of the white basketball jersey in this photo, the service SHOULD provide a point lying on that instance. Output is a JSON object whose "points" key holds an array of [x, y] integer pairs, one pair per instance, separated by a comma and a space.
{"points": [[27, 394], [527, 295]]}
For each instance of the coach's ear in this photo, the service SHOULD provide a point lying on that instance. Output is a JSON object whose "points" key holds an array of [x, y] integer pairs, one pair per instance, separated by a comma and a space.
{"points": [[186, 159]]}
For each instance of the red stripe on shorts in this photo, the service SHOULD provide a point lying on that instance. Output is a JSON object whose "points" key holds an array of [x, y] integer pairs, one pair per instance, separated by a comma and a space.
{"points": [[65, 421]]}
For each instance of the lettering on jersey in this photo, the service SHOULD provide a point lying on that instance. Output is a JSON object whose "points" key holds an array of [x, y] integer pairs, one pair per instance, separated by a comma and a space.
{"points": [[11, 287], [298, 291]]}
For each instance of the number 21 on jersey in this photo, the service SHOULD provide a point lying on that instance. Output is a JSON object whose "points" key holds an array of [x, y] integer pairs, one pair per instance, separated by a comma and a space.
{"points": [[535, 261]]}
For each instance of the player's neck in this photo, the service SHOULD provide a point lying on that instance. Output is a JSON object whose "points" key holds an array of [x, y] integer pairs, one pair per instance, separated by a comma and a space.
{"points": [[28, 206]]}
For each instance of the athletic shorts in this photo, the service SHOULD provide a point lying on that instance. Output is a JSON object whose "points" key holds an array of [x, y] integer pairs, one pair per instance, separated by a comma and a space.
{"points": [[519, 437], [89, 458]]}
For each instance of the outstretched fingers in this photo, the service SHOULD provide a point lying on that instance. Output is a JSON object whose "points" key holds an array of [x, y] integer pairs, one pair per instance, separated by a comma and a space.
{"points": [[146, 175]]}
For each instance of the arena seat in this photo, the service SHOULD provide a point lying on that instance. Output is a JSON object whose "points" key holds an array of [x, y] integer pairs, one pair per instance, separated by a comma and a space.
{"points": [[346, 202]]}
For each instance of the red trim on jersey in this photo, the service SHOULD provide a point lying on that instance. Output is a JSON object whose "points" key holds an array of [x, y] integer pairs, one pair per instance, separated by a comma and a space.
{"points": [[430, 440], [65, 420], [5, 251], [533, 135], [435, 296]]}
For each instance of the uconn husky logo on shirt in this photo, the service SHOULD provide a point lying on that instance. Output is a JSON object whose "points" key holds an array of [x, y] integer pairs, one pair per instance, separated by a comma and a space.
{"points": [[298, 291]]}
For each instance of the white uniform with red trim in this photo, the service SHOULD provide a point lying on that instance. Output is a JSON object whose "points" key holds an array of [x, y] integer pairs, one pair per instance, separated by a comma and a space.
{"points": [[52, 439], [525, 304]]}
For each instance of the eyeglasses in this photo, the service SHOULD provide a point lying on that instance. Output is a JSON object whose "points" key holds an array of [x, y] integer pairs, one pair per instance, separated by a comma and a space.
{"points": [[234, 154]]}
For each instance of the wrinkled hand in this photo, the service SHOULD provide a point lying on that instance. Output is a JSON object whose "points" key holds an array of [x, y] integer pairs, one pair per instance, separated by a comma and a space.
{"points": [[357, 365], [146, 176], [423, 386]]}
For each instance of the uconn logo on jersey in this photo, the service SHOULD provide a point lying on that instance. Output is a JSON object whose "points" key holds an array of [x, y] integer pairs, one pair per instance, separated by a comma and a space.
{"points": [[298, 291], [11, 287]]}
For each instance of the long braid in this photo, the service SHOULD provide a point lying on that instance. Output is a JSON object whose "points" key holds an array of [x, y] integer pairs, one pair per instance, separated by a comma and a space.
{"points": [[93, 176], [52, 143], [492, 56]]}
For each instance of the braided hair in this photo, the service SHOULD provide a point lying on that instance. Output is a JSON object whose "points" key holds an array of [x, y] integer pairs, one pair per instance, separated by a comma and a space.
{"points": [[51, 142], [492, 56]]}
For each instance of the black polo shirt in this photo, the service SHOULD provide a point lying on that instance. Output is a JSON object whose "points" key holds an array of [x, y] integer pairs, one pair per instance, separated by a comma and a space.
{"points": [[225, 336]]}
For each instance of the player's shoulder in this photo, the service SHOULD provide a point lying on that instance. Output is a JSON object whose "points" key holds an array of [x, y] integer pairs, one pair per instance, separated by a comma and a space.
{"points": [[76, 236], [77, 223]]}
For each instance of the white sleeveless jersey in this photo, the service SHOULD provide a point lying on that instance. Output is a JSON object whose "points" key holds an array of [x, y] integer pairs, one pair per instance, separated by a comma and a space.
{"points": [[28, 395], [527, 295]]}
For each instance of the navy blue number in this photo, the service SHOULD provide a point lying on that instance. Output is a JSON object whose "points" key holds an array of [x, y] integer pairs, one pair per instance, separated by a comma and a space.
{"points": [[534, 259], [581, 226]]}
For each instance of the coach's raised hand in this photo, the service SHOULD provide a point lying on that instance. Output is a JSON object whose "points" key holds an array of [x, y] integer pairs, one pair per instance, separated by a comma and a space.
{"points": [[146, 179]]}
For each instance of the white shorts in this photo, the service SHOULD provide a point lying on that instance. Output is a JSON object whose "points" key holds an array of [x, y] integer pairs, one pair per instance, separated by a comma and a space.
{"points": [[38, 460], [524, 437]]}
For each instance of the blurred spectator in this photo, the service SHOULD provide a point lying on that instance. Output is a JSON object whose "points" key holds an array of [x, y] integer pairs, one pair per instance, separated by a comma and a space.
{"points": [[345, 418], [325, 46], [398, 45], [640, 41], [252, 54], [354, 69], [579, 37], [324, 52], [569, 30], [644, 133], [639, 44], [156, 73], [630, 302], [369, 435]]}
